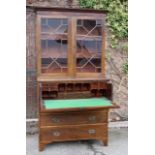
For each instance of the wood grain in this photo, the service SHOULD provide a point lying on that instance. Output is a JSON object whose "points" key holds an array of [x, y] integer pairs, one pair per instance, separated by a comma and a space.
{"points": [[71, 117], [73, 132], [72, 123]]}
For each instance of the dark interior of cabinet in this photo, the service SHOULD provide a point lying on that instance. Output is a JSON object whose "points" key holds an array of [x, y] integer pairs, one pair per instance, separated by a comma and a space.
{"points": [[76, 90]]}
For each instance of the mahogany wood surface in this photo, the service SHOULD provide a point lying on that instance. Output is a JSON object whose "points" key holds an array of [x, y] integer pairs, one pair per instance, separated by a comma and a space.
{"points": [[85, 117], [56, 125], [73, 132]]}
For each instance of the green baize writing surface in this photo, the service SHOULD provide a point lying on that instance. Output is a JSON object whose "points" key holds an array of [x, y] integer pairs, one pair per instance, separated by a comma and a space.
{"points": [[76, 103]]}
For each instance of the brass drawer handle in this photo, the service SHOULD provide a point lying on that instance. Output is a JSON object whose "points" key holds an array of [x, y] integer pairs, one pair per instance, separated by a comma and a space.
{"points": [[56, 120], [92, 118], [91, 131], [56, 133]]}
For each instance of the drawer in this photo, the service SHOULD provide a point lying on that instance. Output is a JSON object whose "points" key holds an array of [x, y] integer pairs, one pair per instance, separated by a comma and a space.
{"points": [[74, 118], [94, 85], [50, 88], [102, 85], [49, 134]]}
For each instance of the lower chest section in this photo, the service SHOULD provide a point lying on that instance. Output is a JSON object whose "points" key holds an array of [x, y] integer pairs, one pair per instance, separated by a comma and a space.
{"points": [[73, 125]]}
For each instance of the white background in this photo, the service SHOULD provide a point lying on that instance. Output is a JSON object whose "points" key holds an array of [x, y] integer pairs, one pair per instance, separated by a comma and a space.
{"points": [[141, 77]]}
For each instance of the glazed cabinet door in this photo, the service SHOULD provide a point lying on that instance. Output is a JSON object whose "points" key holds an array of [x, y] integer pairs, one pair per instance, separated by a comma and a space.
{"points": [[89, 47], [53, 49], [71, 45]]}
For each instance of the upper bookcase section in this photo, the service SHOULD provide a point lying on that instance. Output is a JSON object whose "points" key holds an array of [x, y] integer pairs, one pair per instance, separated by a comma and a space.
{"points": [[70, 42]]}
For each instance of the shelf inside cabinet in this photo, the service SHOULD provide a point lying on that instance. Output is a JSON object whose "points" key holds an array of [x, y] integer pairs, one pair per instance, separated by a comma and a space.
{"points": [[91, 38], [57, 37]]}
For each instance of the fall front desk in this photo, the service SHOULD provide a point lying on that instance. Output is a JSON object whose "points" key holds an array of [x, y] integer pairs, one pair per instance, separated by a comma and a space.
{"points": [[73, 94]]}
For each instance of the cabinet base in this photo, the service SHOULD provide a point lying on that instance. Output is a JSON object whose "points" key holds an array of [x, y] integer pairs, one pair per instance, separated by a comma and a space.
{"points": [[43, 145]]}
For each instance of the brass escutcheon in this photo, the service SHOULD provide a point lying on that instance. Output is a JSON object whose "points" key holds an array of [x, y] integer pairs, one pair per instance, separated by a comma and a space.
{"points": [[91, 131]]}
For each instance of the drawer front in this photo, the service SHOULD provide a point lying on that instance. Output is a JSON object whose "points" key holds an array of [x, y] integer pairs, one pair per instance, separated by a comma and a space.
{"points": [[73, 133], [74, 118]]}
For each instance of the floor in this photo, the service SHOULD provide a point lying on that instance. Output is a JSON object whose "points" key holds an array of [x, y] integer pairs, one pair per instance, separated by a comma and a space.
{"points": [[118, 145]]}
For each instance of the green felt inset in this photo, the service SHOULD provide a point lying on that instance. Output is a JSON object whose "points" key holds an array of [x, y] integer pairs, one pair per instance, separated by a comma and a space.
{"points": [[76, 103]]}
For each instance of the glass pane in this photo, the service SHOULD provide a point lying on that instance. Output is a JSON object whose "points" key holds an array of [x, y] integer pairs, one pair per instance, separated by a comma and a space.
{"points": [[54, 45], [89, 27], [89, 43], [54, 26]]}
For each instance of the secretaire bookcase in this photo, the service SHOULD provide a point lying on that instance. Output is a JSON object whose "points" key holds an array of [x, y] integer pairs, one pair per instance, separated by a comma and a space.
{"points": [[73, 94]]}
